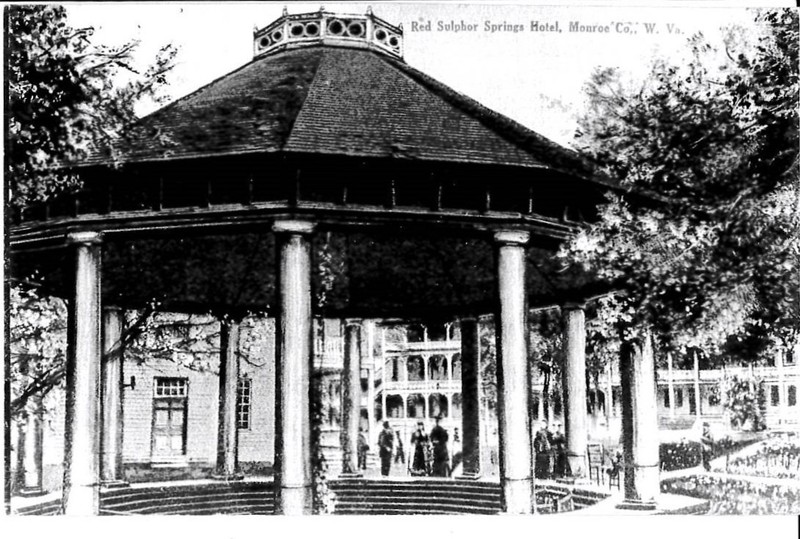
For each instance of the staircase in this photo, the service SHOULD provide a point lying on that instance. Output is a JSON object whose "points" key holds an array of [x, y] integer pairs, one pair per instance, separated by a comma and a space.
{"points": [[422, 497], [235, 498]]}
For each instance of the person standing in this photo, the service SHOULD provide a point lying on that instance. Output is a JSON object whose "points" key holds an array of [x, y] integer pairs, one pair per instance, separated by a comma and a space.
{"points": [[400, 454], [363, 449], [559, 447], [541, 446], [707, 441], [385, 448], [441, 457], [419, 441]]}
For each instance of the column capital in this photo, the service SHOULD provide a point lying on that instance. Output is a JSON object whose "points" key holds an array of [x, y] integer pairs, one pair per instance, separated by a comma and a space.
{"points": [[574, 306], [85, 237], [511, 237], [353, 322], [293, 226]]}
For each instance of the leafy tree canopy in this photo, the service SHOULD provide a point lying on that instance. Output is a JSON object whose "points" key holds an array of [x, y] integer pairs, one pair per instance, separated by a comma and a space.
{"points": [[67, 96], [714, 264]]}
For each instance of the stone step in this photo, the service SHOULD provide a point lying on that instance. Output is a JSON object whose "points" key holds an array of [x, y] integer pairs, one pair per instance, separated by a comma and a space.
{"points": [[230, 498], [52, 507]]}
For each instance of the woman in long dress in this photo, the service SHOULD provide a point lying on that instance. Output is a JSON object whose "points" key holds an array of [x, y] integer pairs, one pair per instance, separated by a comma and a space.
{"points": [[419, 441], [441, 457]]}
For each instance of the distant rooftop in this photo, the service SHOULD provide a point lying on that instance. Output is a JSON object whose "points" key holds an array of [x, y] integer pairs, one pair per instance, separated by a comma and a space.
{"points": [[307, 29]]}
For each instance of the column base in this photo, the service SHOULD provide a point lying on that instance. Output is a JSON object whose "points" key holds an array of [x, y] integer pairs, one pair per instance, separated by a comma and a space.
{"points": [[295, 501], [82, 501], [31, 492], [350, 475], [637, 505], [468, 476], [517, 496]]}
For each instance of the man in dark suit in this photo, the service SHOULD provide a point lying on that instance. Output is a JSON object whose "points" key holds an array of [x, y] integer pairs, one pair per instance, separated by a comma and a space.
{"points": [[385, 447]]}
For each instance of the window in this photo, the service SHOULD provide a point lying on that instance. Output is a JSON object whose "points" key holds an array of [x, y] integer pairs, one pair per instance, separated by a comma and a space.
{"points": [[243, 392], [679, 398], [792, 397], [788, 357], [169, 417], [666, 398], [774, 395], [692, 401]]}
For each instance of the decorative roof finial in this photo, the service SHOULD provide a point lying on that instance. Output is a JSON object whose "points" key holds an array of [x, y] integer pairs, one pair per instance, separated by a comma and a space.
{"points": [[331, 30]]}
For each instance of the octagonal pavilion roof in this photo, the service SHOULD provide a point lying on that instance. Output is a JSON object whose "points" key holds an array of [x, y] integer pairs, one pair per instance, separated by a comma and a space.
{"points": [[336, 97]]}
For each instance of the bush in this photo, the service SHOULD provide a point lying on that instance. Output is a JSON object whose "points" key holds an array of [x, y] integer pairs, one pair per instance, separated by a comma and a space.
{"points": [[679, 456], [779, 457], [735, 496]]}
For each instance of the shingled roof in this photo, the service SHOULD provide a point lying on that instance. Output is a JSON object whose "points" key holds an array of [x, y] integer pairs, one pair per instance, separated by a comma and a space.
{"points": [[338, 101]]}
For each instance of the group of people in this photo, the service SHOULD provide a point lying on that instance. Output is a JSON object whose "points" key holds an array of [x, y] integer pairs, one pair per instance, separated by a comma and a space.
{"points": [[430, 455], [551, 453]]}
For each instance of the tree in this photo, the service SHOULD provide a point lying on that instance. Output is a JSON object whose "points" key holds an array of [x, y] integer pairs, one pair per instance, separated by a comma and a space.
{"points": [[66, 98], [712, 263]]}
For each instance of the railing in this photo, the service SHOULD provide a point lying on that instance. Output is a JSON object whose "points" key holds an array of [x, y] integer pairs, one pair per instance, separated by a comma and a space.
{"points": [[423, 386], [329, 352], [424, 347]]}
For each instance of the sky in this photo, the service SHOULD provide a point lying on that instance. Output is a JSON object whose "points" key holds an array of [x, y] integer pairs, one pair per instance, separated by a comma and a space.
{"points": [[534, 77]]}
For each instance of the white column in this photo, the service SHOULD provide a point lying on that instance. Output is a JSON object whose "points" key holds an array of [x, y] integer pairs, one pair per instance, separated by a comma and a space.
{"points": [[369, 327], [574, 384], [227, 433], [697, 399], [782, 397], [351, 397], [639, 424], [516, 479], [609, 395], [293, 422], [670, 386], [80, 496], [111, 444], [33, 447]]}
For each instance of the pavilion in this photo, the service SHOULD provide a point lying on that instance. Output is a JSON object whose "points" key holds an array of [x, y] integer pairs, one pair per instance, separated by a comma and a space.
{"points": [[328, 142]]}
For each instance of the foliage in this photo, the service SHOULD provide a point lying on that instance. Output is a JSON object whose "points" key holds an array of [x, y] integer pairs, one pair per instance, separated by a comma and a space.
{"points": [[712, 261], [744, 398], [186, 339], [37, 342], [488, 361], [66, 97], [679, 456], [324, 499], [778, 457], [738, 496]]}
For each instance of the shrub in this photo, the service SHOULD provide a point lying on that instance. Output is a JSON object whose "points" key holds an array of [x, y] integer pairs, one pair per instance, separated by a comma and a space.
{"points": [[678, 456], [736, 496]]}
